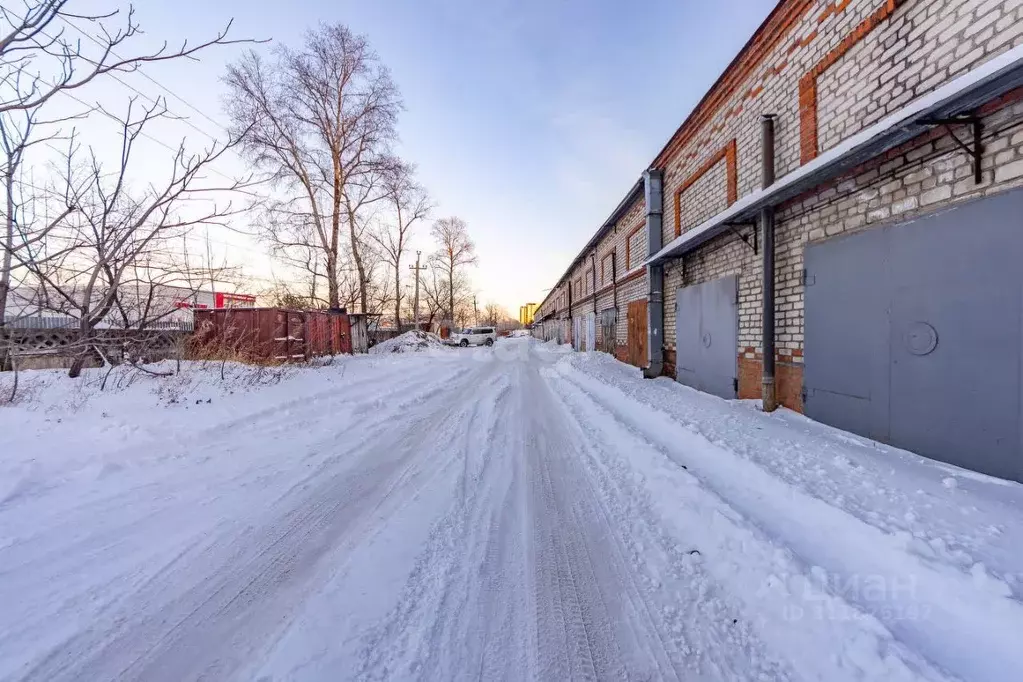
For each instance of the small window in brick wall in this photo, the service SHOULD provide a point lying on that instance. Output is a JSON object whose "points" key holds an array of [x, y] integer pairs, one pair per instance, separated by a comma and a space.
{"points": [[636, 255], [607, 269]]}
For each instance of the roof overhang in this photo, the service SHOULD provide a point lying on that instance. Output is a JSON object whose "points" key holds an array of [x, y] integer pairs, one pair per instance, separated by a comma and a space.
{"points": [[634, 193], [961, 95]]}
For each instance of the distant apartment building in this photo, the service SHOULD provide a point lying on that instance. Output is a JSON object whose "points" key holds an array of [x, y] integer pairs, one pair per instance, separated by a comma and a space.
{"points": [[526, 313]]}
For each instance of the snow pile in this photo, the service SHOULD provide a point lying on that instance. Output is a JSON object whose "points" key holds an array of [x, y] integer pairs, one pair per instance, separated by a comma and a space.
{"points": [[397, 515], [414, 341], [894, 565]]}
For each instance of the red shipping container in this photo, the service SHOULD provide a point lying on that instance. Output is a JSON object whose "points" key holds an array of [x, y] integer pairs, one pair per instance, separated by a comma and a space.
{"points": [[273, 335]]}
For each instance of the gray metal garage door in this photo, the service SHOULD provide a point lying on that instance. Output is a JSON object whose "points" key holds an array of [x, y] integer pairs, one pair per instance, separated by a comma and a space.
{"points": [[706, 329], [913, 334]]}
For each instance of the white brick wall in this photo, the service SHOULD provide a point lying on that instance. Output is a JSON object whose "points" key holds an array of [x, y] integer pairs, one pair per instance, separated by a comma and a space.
{"points": [[701, 200], [917, 48], [922, 45], [922, 178]]}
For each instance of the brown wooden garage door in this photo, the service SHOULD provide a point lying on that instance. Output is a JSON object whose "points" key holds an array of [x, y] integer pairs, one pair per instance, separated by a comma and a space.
{"points": [[637, 333]]}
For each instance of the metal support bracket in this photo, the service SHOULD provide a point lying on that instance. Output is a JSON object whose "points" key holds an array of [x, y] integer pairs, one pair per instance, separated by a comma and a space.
{"points": [[974, 148], [749, 239]]}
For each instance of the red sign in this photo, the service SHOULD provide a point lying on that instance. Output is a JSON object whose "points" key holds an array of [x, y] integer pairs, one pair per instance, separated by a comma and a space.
{"points": [[222, 300]]}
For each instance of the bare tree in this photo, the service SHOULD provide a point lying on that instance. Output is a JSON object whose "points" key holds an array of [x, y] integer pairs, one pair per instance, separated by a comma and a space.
{"points": [[27, 216], [115, 230], [408, 204], [493, 313], [283, 296], [455, 252], [434, 295], [320, 122], [39, 60]]}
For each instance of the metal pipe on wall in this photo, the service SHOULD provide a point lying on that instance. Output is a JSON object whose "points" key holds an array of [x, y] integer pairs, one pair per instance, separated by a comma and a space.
{"points": [[654, 190], [768, 389]]}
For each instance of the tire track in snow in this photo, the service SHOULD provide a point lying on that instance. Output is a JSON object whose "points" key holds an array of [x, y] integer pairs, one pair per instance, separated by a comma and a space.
{"points": [[860, 644], [214, 493], [692, 628], [640, 638], [514, 582], [429, 634], [245, 585]]}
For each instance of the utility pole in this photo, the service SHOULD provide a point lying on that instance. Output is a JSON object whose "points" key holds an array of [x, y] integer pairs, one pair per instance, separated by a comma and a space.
{"points": [[417, 268], [475, 311]]}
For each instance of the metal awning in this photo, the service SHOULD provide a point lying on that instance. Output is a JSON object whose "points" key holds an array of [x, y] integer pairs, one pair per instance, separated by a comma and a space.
{"points": [[945, 105]]}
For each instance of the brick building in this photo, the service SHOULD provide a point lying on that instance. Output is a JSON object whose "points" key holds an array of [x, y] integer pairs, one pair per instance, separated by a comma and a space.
{"points": [[866, 155]]}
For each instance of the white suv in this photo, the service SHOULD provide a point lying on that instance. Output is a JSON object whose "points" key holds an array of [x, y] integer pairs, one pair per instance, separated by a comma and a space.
{"points": [[474, 336]]}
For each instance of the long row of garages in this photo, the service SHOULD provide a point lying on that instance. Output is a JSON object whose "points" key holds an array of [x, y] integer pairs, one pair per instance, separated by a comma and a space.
{"points": [[836, 228]]}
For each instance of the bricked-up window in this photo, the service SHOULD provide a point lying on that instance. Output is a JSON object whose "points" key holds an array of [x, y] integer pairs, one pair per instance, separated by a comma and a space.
{"points": [[578, 292], [588, 282], [607, 269], [635, 250]]}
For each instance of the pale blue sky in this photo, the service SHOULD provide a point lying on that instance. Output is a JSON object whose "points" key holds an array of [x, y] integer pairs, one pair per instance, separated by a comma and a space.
{"points": [[530, 119]]}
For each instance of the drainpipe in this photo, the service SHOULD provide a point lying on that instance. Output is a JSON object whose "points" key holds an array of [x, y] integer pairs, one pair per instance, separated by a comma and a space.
{"points": [[768, 392], [571, 327], [614, 284], [654, 191]]}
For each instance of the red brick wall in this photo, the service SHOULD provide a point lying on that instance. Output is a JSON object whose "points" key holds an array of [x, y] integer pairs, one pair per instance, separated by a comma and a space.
{"points": [[622, 352], [788, 381], [669, 364]]}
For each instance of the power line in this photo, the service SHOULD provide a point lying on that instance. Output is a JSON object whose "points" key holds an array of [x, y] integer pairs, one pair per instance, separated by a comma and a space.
{"points": [[103, 46], [142, 94]]}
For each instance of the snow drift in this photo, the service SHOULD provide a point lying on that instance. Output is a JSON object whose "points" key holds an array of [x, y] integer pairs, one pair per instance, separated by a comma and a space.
{"points": [[410, 342], [520, 512]]}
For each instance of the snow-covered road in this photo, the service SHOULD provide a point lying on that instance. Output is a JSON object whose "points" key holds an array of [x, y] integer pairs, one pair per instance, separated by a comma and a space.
{"points": [[515, 513]]}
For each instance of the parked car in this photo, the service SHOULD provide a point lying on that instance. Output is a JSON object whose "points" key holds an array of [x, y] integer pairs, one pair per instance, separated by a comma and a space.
{"points": [[474, 336]]}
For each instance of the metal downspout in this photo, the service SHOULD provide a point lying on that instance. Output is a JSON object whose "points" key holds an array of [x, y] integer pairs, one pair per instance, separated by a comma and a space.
{"points": [[654, 192], [768, 389], [614, 287], [571, 327], [593, 290]]}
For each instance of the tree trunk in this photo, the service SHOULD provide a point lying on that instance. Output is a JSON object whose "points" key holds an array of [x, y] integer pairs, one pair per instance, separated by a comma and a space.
{"points": [[83, 353], [5, 272], [333, 296], [397, 295], [361, 270], [451, 294]]}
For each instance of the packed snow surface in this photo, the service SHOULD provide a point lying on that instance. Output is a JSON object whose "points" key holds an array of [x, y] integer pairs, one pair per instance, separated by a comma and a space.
{"points": [[413, 341], [518, 512]]}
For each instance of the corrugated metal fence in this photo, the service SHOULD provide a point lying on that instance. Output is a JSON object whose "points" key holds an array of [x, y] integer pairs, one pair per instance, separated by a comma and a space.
{"points": [[273, 335]]}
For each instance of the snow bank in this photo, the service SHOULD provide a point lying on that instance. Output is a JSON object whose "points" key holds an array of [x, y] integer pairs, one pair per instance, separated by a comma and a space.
{"points": [[397, 515], [410, 342], [867, 550]]}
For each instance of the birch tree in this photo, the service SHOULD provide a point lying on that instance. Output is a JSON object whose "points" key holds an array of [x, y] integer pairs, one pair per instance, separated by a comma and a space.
{"points": [[455, 253], [407, 204], [320, 122]]}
